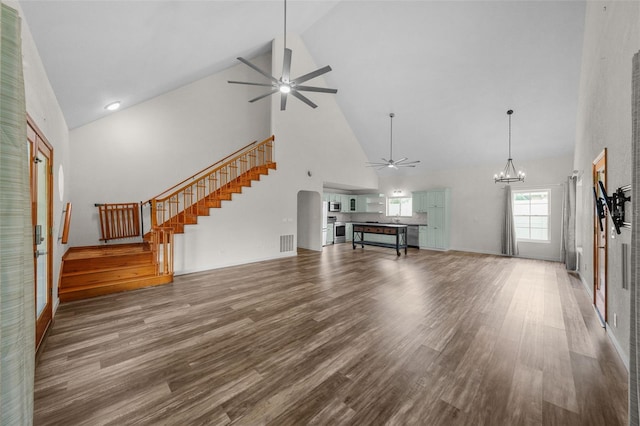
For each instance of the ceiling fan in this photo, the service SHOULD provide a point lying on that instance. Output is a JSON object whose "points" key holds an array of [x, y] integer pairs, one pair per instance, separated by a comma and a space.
{"points": [[284, 85], [391, 163]]}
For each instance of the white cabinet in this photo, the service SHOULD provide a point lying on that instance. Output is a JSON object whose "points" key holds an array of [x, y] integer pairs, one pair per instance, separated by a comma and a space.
{"points": [[422, 236], [419, 202], [348, 231], [344, 203], [435, 203], [330, 234]]}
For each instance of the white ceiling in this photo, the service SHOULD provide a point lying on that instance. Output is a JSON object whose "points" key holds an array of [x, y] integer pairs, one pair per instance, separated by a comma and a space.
{"points": [[449, 70]]}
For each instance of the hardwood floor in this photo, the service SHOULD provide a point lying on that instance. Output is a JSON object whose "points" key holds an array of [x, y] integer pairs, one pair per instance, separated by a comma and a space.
{"points": [[340, 337]]}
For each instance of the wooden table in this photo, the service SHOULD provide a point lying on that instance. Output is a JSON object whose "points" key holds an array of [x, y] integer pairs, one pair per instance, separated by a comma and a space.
{"points": [[399, 231]]}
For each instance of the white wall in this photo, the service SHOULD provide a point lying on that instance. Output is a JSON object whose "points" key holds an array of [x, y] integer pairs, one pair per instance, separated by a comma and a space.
{"points": [[43, 107], [477, 203], [139, 152], [612, 37]]}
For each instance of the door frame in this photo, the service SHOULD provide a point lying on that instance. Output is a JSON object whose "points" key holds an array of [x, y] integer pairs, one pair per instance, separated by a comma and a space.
{"points": [[600, 163], [39, 143]]}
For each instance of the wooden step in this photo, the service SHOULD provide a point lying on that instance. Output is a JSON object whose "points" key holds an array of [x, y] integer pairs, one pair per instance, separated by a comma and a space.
{"points": [[78, 259], [93, 290], [107, 275]]}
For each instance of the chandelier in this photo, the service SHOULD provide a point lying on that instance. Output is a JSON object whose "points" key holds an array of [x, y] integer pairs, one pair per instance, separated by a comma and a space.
{"points": [[509, 174]]}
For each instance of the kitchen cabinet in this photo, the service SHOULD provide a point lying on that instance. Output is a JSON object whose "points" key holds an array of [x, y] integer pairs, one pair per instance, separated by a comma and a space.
{"points": [[419, 202], [435, 203], [330, 233], [349, 231], [344, 203], [422, 236]]}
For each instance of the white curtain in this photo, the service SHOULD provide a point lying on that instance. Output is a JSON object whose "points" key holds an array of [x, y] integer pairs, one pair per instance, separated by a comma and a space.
{"points": [[634, 356], [569, 225], [509, 242], [17, 311]]}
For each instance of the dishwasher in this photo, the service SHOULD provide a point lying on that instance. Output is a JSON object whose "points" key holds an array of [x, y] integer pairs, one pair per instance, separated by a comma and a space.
{"points": [[413, 239]]}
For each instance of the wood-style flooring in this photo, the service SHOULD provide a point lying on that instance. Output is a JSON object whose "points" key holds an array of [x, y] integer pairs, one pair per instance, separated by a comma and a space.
{"points": [[339, 337]]}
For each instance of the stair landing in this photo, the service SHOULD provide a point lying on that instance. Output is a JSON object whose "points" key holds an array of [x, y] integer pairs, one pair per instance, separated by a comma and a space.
{"points": [[98, 270]]}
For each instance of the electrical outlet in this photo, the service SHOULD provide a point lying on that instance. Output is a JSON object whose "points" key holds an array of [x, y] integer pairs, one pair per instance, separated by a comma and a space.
{"points": [[615, 320]]}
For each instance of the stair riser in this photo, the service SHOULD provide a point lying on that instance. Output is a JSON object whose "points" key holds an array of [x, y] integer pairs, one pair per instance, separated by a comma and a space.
{"points": [[79, 265], [104, 277], [67, 295]]}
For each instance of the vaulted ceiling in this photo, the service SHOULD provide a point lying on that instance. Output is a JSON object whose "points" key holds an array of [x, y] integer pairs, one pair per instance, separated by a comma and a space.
{"points": [[449, 70]]}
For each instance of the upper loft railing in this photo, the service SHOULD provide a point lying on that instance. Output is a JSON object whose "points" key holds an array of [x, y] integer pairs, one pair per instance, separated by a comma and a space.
{"points": [[170, 207], [119, 220]]}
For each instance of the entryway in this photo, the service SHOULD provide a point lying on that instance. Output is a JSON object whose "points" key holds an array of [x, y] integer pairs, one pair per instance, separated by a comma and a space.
{"points": [[600, 227], [40, 172]]}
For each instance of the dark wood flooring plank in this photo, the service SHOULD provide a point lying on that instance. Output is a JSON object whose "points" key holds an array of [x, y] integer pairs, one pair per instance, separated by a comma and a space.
{"points": [[342, 337]]}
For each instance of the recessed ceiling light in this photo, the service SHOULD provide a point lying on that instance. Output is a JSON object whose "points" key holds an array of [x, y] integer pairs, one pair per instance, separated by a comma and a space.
{"points": [[113, 106]]}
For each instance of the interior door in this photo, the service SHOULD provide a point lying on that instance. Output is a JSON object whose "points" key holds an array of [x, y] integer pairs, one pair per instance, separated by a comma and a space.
{"points": [[600, 240], [41, 166]]}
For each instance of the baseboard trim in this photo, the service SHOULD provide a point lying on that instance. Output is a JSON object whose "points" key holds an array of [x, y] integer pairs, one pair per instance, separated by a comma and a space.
{"points": [[624, 357]]}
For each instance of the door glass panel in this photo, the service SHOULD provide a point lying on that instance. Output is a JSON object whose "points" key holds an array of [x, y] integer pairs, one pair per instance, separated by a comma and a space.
{"points": [[42, 234]]}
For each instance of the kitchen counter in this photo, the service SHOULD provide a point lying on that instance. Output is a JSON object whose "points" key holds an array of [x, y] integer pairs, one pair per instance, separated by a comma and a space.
{"points": [[374, 230]]}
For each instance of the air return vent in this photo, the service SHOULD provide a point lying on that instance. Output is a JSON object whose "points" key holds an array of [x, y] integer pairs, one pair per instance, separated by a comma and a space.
{"points": [[286, 243]]}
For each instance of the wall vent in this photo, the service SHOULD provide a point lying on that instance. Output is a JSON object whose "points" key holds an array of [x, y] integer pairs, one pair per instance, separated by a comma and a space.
{"points": [[286, 243]]}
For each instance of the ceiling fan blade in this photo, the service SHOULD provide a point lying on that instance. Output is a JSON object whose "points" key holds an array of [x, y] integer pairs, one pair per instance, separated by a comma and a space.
{"points": [[303, 98], [401, 160], [316, 89], [250, 84], [311, 75], [265, 95], [283, 102], [249, 64], [286, 65], [409, 162]]}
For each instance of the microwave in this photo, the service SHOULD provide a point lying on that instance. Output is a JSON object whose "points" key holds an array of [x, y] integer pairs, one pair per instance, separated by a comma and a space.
{"points": [[334, 206]]}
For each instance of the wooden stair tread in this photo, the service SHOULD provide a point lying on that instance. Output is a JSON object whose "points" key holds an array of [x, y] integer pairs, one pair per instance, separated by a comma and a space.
{"points": [[86, 252], [103, 270]]}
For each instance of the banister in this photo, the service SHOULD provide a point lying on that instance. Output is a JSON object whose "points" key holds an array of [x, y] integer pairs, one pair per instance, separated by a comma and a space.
{"points": [[177, 205], [209, 167]]}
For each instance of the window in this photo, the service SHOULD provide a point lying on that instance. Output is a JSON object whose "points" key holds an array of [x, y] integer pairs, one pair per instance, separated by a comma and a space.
{"points": [[400, 206], [531, 215]]}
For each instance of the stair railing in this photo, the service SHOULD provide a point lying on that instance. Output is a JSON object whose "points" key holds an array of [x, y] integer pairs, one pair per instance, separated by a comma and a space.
{"points": [[170, 208], [119, 220], [161, 244]]}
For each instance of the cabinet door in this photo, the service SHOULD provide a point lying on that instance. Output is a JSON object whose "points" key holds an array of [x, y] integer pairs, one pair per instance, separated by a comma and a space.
{"points": [[422, 236], [435, 199], [349, 232], [330, 233], [344, 203]]}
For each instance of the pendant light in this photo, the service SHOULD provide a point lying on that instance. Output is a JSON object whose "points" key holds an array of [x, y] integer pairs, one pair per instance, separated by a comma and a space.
{"points": [[509, 174]]}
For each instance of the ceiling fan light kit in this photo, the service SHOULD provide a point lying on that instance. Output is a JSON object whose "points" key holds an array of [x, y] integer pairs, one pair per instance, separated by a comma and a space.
{"points": [[509, 173], [391, 163], [284, 85]]}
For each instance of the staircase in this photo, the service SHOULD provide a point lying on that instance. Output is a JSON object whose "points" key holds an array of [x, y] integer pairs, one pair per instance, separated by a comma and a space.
{"points": [[99, 270], [195, 196]]}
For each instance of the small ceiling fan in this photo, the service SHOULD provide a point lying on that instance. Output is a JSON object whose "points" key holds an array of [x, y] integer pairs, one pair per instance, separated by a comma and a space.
{"points": [[391, 163], [284, 85]]}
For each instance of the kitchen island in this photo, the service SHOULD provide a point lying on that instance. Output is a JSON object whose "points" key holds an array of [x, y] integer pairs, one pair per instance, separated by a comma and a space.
{"points": [[381, 235]]}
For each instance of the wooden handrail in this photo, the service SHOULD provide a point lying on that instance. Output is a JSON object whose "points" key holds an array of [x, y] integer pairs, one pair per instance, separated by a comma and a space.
{"points": [[170, 207], [207, 168]]}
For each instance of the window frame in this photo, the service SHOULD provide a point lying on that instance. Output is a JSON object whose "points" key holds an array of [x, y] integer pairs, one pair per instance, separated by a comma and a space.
{"points": [[410, 201], [514, 193]]}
